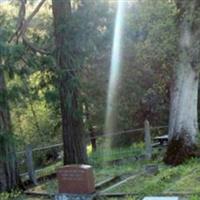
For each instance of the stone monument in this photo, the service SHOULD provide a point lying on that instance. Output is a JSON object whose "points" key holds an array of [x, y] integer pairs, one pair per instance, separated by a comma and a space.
{"points": [[75, 182]]}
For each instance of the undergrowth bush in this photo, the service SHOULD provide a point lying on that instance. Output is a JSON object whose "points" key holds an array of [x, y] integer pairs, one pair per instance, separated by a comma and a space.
{"points": [[194, 197], [13, 195]]}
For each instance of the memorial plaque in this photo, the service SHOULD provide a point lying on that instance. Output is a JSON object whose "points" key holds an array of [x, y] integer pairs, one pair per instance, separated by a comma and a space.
{"points": [[76, 179], [161, 198]]}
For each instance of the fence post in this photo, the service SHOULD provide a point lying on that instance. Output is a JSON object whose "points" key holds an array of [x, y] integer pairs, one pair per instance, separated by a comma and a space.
{"points": [[30, 165], [147, 139], [93, 139]]}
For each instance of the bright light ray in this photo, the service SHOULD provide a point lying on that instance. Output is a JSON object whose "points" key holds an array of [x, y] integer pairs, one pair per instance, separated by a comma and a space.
{"points": [[115, 68]]}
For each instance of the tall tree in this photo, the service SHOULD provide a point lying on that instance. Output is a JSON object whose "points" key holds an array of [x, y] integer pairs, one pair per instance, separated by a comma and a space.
{"points": [[72, 125], [9, 177], [183, 126]]}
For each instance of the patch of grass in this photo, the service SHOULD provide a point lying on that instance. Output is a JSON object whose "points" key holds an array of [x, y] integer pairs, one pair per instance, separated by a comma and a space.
{"points": [[100, 175], [194, 197], [103, 155], [49, 187], [114, 170], [183, 178]]}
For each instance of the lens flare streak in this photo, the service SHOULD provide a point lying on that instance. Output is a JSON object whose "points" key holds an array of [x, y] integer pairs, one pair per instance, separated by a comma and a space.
{"points": [[115, 68]]}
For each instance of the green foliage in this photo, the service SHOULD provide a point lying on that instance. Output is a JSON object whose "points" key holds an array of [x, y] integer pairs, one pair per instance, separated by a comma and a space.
{"points": [[194, 197], [38, 121], [13, 195], [149, 50]]}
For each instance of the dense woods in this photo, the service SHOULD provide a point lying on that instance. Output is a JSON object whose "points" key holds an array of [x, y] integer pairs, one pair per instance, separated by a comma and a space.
{"points": [[54, 74]]}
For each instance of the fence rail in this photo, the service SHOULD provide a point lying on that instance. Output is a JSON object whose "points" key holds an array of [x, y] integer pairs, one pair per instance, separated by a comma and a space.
{"points": [[42, 148], [126, 131], [29, 151], [95, 137]]}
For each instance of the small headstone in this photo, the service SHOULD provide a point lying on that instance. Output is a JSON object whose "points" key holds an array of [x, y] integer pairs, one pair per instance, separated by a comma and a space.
{"points": [[147, 139], [76, 179], [151, 169], [161, 198]]}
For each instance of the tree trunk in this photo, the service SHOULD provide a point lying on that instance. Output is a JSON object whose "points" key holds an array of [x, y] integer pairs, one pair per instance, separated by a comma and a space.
{"points": [[9, 177], [93, 139], [184, 99], [72, 125], [183, 123]]}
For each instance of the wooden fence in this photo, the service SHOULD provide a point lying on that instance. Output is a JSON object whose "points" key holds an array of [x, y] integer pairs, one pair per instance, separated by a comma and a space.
{"points": [[29, 151]]}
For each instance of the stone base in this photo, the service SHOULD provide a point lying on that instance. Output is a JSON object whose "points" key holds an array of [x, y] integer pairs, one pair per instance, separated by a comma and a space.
{"points": [[161, 198], [74, 196]]}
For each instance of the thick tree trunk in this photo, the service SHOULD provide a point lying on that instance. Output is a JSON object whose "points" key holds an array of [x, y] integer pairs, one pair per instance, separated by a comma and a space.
{"points": [[9, 178], [183, 124], [184, 99], [72, 125]]}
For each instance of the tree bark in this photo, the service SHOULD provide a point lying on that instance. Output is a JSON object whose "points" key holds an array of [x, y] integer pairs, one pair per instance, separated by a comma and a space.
{"points": [[183, 123], [9, 177], [93, 139], [72, 125], [184, 99]]}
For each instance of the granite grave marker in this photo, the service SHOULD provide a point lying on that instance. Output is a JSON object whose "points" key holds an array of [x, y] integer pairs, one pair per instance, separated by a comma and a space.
{"points": [[76, 179]]}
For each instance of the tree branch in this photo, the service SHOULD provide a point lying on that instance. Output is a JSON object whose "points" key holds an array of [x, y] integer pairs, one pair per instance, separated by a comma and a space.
{"points": [[23, 24], [33, 47], [20, 21], [30, 17]]}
